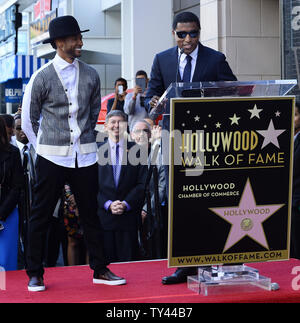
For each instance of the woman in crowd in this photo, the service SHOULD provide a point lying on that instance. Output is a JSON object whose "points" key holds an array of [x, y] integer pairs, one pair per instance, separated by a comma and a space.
{"points": [[77, 253], [11, 183]]}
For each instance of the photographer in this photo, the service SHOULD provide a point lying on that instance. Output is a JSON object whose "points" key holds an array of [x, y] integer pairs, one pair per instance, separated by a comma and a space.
{"points": [[135, 102], [117, 103]]}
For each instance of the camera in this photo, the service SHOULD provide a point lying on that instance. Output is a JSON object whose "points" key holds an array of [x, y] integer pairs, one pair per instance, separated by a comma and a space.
{"points": [[120, 89]]}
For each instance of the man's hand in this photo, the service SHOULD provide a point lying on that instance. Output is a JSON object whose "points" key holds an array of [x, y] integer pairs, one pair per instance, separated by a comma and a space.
{"points": [[120, 97], [117, 207], [157, 108], [156, 132], [137, 90], [143, 215], [154, 101]]}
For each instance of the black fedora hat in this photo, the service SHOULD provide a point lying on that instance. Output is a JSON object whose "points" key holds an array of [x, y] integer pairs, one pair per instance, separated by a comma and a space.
{"points": [[63, 26]]}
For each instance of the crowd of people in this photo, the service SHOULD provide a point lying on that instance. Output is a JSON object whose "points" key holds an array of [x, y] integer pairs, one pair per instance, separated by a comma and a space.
{"points": [[62, 193], [131, 237]]}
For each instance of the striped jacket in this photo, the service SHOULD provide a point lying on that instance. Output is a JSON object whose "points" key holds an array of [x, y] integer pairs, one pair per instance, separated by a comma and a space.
{"points": [[46, 111]]}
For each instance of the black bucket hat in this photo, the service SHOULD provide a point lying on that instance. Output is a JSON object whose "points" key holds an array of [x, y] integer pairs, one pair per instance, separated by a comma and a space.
{"points": [[63, 26]]}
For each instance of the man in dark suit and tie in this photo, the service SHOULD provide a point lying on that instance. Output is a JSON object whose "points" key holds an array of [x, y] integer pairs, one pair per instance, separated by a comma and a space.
{"points": [[121, 191], [189, 61], [295, 234], [28, 156]]}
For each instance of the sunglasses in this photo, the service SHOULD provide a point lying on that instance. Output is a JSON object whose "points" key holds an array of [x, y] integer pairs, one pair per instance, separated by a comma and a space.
{"points": [[183, 34]]}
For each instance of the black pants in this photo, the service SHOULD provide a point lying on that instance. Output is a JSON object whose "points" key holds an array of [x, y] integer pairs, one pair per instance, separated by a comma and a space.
{"points": [[121, 246], [50, 183]]}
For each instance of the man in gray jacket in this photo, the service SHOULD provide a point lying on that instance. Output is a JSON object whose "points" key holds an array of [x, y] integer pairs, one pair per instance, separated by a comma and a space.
{"points": [[59, 114]]}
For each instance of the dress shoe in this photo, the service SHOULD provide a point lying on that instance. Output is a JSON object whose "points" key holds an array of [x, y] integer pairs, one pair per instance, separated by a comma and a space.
{"points": [[36, 284], [108, 278], [180, 275]]}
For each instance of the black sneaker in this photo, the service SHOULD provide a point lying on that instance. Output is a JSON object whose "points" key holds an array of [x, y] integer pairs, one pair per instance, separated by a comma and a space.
{"points": [[36, 284], [108, 278]]}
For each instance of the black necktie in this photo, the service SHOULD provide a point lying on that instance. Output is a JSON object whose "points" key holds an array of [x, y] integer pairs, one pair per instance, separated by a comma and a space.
{"points": [[25, 157], [187, 70], [28, 188], [116, 166]]}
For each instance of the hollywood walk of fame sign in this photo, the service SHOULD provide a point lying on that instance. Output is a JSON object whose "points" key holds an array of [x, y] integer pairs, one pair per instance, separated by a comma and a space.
{"points": [[230, 180]]}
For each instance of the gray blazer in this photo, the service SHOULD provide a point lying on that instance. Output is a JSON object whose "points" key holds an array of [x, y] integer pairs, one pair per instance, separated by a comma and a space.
{"points": [[49, 110]]}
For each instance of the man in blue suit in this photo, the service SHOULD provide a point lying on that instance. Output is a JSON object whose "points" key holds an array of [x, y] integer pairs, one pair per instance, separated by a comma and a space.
{"points": [[189, 61], [122, 183], [195, 62]]}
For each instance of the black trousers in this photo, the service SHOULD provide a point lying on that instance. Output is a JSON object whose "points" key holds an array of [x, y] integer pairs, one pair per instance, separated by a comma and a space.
{"points": [[51, 179], [121, 246]]}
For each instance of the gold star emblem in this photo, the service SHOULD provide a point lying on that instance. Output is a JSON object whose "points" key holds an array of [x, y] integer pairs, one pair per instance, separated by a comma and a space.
{"points": [[235, 119]]}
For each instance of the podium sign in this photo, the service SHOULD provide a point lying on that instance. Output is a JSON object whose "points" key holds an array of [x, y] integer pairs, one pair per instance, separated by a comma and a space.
{"points": [[230, 180]]}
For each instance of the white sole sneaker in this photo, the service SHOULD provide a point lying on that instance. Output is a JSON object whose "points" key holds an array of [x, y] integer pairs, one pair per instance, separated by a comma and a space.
{"points": [[109, 282], [36, 289]]}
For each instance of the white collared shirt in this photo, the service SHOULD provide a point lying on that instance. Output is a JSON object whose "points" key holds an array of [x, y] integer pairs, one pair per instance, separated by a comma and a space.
{"points": [[112, 146], [69, 76], [21, 146], [13, 141], [183, 62]]}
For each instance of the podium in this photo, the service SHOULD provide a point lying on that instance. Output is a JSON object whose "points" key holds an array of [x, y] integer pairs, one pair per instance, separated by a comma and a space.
{"points": [[224, 89], [230, 180]]}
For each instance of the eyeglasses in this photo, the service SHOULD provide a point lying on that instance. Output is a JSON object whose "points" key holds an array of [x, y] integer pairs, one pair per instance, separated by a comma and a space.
{"points": [[140, 131], [183, 34]]}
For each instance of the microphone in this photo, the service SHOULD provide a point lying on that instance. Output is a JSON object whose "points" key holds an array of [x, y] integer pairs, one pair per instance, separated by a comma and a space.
{"points": [[178, 62]]}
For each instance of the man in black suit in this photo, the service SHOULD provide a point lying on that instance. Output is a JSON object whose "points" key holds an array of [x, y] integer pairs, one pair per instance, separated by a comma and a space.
{"points": [[121, 191], [189, 61], [295, 234]]}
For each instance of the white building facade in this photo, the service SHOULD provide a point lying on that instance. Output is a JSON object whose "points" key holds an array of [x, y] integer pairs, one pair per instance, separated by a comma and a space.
{"points": [[125, 35]]}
